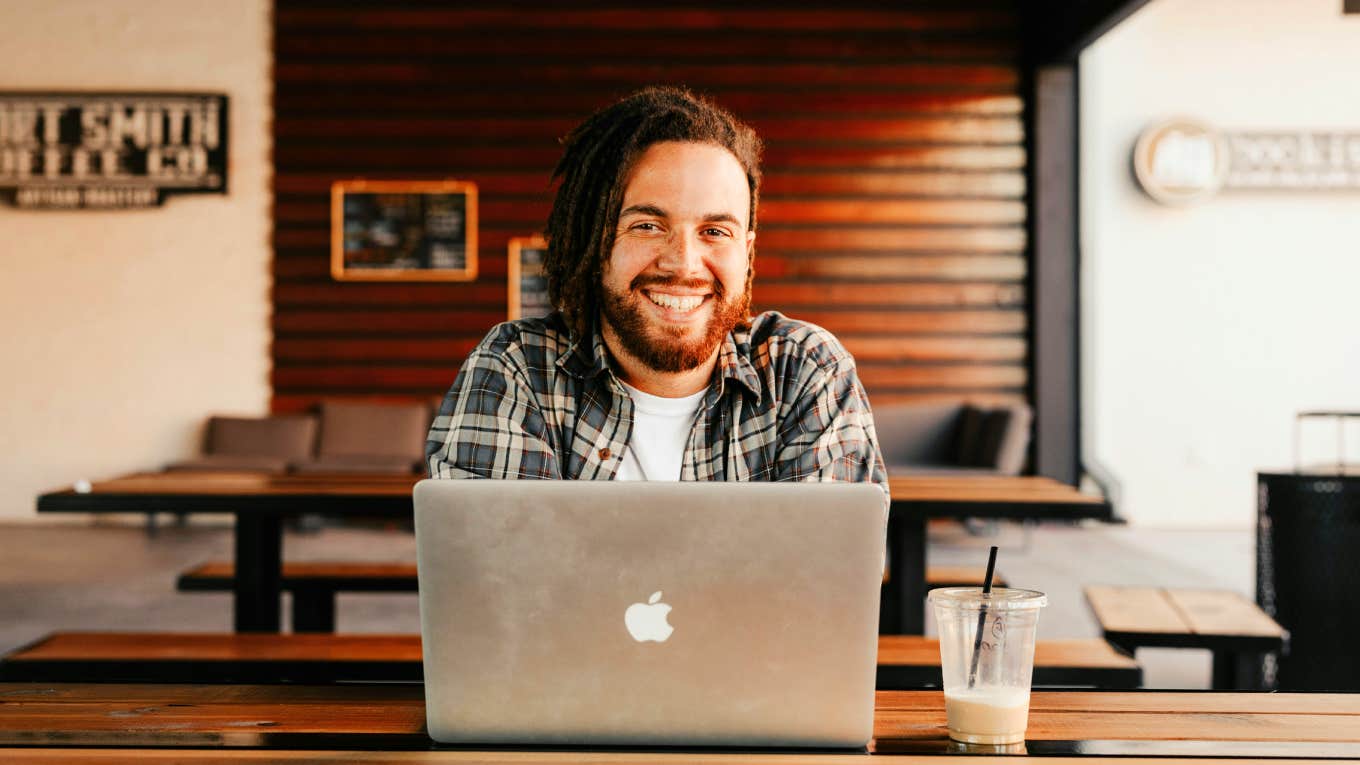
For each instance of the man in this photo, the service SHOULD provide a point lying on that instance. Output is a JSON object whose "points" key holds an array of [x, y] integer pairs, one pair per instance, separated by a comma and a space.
{"points": [[651, 368]]}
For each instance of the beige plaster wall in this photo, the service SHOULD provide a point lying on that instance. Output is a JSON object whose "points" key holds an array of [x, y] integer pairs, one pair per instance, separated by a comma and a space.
{"points": [[120, 330], [1206, 328]]}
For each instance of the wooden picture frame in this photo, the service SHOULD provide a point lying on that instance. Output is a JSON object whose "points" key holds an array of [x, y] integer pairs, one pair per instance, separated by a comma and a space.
{"points": [[528, 286], [404, 231]]}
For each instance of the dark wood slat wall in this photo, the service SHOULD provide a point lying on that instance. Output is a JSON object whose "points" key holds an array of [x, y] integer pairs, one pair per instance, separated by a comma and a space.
{"points": [[894, 203]]}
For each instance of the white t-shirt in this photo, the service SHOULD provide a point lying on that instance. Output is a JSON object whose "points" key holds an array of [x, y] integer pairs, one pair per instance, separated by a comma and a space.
{"points": [[661, 428]]}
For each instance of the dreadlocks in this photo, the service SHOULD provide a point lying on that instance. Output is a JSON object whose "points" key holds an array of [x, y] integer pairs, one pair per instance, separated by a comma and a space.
{"points": [[599, 155]]}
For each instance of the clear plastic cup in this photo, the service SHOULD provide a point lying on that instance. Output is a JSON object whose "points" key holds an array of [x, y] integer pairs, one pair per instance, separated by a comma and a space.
{"points": [[986, 692]]}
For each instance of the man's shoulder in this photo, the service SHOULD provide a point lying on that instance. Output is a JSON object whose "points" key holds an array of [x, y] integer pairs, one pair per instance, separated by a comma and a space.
{"points": [[535, 342], [548, 333], [779, 335]]}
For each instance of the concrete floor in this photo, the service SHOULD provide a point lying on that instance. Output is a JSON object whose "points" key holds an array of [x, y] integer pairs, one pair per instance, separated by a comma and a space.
{"points": [[93, 577]]}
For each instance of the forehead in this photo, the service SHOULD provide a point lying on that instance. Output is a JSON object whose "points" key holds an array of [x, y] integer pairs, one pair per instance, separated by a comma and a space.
{"points": [[689, 179]]}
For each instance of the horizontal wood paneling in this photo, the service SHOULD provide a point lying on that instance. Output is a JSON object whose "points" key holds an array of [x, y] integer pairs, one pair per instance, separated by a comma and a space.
{"points": [[710, 17], [773, 213], [893, 207], [961, 130], [322, 99]]}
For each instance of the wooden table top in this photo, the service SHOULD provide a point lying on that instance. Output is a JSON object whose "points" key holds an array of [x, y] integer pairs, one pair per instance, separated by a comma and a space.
{"points": [[222, 483], [973, 495], [904, 488], [392, 717], [987, 488]]}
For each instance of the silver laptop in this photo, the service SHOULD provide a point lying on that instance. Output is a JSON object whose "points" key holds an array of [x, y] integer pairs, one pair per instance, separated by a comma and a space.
{"points": [[649, 613]]}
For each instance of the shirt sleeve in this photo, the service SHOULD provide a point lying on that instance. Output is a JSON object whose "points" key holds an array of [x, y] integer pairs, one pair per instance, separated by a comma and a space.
{"points": [[827, 430], [490, 424]]}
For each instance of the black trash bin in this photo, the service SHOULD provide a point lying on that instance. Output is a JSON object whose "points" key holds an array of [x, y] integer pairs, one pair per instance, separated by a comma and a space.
{"points": [[1308, 575]]}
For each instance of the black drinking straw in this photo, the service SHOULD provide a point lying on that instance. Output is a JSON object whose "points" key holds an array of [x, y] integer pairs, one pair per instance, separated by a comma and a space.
{"points": [[982, 616]]}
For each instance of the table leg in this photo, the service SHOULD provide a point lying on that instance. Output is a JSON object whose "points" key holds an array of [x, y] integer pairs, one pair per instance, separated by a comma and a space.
{"points": [[1237, 671], [907, 572], [259, 564]]}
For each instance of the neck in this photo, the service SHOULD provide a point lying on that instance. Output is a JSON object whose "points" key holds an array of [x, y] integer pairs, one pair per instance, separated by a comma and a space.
{"points": [[631, 370]]}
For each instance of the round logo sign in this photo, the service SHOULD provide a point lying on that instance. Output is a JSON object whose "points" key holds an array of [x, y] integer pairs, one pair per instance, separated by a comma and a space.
{"points": [[1180, 161]]}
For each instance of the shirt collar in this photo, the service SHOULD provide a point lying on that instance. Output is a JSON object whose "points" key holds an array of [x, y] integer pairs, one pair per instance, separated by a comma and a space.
{"points": [[587, 360]]}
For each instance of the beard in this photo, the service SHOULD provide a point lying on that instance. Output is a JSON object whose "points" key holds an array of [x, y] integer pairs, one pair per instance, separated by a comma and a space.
{"points": [[664, 348]]}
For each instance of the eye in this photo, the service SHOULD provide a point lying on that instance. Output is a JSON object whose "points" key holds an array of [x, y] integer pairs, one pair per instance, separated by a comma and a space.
{"points": [[645, 226], [712, 231]]}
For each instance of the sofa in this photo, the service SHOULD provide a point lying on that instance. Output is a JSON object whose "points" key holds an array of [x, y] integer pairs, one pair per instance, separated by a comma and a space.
{"points": [[953, 438], [340, 436]]}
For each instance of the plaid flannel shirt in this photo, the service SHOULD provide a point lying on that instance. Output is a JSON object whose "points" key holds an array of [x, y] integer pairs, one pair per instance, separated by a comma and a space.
{"points": [[784, 404]]}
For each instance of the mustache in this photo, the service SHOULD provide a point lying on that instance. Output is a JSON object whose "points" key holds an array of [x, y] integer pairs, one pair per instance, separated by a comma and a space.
{"points": [[642, 280]]}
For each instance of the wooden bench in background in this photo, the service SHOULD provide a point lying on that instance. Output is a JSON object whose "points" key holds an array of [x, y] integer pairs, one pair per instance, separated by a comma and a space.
{"points": [[905, 661], [315, 585], [912, 661], [1234, 629]]}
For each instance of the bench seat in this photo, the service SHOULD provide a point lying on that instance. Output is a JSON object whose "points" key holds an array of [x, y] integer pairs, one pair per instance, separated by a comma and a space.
{"points": [[314, 585], [905, 661]]}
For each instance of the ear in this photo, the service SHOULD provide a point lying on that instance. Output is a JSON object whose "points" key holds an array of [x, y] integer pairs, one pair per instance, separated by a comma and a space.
{"points": [[750, 246]]}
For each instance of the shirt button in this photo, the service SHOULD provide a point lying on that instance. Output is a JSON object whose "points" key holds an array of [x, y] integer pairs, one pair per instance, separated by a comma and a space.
{"points": [[604, 453]]}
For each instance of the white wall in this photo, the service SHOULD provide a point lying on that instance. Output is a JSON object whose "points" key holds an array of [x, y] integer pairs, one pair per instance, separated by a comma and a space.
{"points": [[1204, 329], [121, 330]]}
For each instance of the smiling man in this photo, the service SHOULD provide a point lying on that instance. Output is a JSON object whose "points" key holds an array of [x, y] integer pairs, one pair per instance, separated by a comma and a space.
{"points": [[651, 368]]}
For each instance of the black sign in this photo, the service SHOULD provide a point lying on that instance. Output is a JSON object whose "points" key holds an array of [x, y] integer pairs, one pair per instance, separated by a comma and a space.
{"points": [[110, 150]]}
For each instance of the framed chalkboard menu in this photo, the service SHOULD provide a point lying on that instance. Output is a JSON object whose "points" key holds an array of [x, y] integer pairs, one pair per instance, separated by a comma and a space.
{"points": [[404, 230], [528, 284]]}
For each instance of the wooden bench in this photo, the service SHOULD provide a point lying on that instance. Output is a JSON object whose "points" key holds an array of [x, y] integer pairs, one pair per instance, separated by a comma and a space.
{"points": [[905, 661], [1237, 632], [315, 585], [912, 661]]}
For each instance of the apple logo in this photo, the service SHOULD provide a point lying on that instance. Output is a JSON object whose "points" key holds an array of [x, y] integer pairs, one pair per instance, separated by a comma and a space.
{"points": [[647, 621]]}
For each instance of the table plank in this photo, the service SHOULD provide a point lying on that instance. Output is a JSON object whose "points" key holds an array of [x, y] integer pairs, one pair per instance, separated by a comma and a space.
{"points": [[346, 716], [1226, 703], [1048, 725], [1135, 609], [251, 484], [1222, 612], [512, 757]]}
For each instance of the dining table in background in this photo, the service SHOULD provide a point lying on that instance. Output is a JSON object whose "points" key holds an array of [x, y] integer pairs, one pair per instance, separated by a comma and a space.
{"points": [[918, 498], [260, 504]]}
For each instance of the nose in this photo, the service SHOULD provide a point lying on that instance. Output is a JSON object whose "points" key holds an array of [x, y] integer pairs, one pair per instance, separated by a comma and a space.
{"points": [[682, 254]]}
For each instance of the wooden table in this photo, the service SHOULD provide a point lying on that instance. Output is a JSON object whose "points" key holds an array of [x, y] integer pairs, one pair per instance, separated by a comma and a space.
{"points": [[329, 723], [916, 499], [1235, 630], [259, 502]]}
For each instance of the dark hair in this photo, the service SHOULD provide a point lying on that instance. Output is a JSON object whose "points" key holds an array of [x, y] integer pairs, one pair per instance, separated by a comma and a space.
{"points": [[599, 154]]}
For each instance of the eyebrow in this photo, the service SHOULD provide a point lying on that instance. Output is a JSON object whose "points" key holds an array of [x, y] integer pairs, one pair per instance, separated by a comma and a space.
{"points": [[649, 209]]}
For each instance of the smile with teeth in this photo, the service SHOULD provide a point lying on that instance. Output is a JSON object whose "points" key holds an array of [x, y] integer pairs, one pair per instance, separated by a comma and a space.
{"points": [[676, 302]]}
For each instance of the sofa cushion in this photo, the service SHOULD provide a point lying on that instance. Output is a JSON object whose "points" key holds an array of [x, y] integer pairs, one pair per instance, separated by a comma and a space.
{"points": [[371, 429], [282, 436], [1005, 438], [232, 463], [968, 436], [916, 433]]}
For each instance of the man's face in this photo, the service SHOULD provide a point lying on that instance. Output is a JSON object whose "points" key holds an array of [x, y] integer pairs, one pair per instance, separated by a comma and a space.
{"points": [[675, 282]]}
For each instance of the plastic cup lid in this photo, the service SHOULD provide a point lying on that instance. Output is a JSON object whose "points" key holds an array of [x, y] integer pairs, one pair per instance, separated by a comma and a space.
{"points": [[999, 599]]}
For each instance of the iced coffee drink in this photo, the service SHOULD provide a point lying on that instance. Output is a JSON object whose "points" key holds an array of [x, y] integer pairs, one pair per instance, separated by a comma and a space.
{"points": [[987, 658]]}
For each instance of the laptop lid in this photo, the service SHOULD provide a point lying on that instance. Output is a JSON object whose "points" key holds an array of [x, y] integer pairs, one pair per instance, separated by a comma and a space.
{"points": [[651, 613]]}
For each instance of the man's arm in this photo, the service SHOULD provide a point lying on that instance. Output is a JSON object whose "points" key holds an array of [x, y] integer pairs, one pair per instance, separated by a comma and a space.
{"points": [[827, 430], [489, 424]]}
